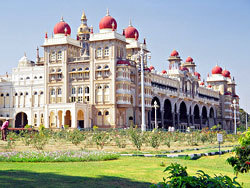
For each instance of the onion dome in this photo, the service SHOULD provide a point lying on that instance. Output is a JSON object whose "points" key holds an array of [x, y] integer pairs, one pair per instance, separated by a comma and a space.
{"points": [[227, 93], [226, 73], [131, 32], [217, 70], [147, 69], [151, 67], [202, 83], [108, 22], [123, 62], [174, 53], [164, 72], [235, 95], [189, 59], [62, 28], [209, 86], [197, 74], [184, 69]]}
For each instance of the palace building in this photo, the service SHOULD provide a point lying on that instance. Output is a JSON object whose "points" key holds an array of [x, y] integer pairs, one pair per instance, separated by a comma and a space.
{"points": [[95, 79]]}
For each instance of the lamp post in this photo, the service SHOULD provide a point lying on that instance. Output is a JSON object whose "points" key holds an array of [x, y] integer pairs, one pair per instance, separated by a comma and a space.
{"points": [[155, 106], [143, 125], [234, 106]]}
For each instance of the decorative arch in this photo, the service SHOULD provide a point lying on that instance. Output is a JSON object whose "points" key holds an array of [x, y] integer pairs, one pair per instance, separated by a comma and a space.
{"points": [[168, 117], [67, 118], [52, 119], [21, 120], [80, 119], [183, 112]]}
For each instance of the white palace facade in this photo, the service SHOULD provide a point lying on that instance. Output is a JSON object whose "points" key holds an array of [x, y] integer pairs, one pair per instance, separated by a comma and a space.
{"points": [[95, 80]]}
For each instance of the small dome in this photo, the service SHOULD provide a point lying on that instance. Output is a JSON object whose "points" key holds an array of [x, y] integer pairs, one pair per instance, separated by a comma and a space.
{"points": [[107, 22], [62, 28], [217, 70], [174, 53], [235, 95], [164, 72], [151, 67], [184, 69], [227, 93], [131, 32], [147, 69], [226, 73], [209, 86], [189, 59], [24, 62], [202, 83], [197, 74]]}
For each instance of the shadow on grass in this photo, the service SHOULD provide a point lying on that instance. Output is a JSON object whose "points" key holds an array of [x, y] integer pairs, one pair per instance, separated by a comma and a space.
{"points": [[19, 178]]}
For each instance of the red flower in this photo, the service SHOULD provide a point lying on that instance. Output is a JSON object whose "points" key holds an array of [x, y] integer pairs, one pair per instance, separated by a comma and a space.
{"points": [[248, 162], [11, 139], [243, 148]]}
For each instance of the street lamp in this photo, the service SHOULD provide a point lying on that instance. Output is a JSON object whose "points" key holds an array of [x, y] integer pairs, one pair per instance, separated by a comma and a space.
{"points": [[155, 106], [143, 125], [234, 106]]}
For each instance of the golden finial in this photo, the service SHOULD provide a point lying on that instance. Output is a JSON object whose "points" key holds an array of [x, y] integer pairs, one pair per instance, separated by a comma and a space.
{"points": [[62, 19], [83, 16], [130, 23]]}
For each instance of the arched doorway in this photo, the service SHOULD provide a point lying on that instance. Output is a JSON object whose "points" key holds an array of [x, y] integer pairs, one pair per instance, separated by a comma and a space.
{"points": [[211, 120], [21, 120], [106, 118], [168, 119], [80, 119], [158, 113], [67, 118], [52, 119], [204, 116], [197, 116], [183, 116]]}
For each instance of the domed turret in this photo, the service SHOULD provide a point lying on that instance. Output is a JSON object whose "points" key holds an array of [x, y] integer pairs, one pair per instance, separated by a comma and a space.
{"points": [[108, 23], [131, 32], [189, 59], [217, 70], [164, 72], [197, 74], [226, 73], [62, 28], [24, 62]]}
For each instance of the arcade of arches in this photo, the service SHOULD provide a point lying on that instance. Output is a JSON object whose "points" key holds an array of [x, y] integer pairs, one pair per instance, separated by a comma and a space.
{"points": [[169, 115]]}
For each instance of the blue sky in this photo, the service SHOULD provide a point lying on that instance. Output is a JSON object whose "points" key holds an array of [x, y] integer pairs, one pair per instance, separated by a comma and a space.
{"points": [[210, 31]]}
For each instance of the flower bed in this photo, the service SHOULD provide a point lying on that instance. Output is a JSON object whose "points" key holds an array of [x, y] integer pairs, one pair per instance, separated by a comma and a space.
{"points": [[57, 156]]}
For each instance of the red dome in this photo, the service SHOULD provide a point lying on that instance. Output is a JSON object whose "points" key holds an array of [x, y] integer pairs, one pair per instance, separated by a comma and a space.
{"points": [[107, 22], [151, 67], [209, 86], [174, 53], [131, 32], [235, 96], [60, 28], [227, 93], [217, 70], [202, 84], [189, 59], [164, 72], [147, 69], [226, 73], [197, 74], [184, 68]]}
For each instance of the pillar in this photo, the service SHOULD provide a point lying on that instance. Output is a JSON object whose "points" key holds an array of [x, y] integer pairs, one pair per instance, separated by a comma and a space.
{"points": [[162, 119], [178, 120], [173, 117], [149, 120], [201, 122]]}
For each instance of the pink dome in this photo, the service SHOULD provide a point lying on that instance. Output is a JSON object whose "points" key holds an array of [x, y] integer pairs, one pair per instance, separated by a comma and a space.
{"points": [[226, 73], [131, 32], [174, 53], [151, 67], [189, 59], [184, 69], [164, 72], [197, 74], [62, 27], [108, 22], [217, 70], [202, 84]]}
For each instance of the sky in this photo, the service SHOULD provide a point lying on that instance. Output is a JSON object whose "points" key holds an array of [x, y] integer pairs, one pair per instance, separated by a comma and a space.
{"points": [[210, 31]]}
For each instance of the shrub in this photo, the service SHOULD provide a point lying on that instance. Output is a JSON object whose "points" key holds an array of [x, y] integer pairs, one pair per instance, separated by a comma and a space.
{"points": [[100, 138], [39, 141], [155, 139], [180, 178], [76, 137], [12, 137], [136, 137]]}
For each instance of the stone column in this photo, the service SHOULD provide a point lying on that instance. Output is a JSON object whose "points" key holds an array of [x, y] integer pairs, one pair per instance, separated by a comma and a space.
{"points": [[162, 119], [201, 122], [173, 117], [178, 120], [188, 123], [149, 119]]}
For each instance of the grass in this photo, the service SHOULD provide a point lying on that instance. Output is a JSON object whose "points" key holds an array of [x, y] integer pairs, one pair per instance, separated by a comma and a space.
{"points": [[124, 172]]}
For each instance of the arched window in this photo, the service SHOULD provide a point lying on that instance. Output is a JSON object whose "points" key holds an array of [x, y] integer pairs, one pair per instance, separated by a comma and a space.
{"points": [[106, 67], [27, 78], [80, 69], [73, 70], [106, 51], [59, 91], [99, 113], [35, 93], [7, 94], [26, 93], [86, 68], [53, 92], [86, 90], [99, 67], [40, 77], [53, 56], [99, 52], [21, 94], [73, 91], [35, 77], [106, 113], [59, 55], [80, 90], [41, 93], [2, 95], [16, 94], [59, 70]]}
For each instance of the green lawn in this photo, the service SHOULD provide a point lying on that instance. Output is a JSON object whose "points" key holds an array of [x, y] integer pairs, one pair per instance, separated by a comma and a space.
{"points": [[124, 172]]}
